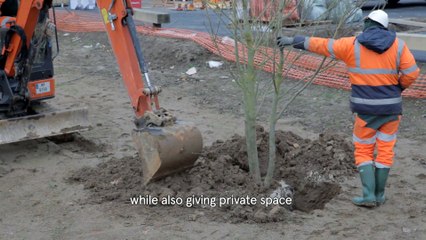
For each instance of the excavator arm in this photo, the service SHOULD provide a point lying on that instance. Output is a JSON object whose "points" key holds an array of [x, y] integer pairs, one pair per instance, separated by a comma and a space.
{"points": [[116, 15], [165, 144]]}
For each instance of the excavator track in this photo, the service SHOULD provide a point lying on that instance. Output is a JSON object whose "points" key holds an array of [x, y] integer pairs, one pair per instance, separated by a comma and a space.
{"points": [[44, 124]]}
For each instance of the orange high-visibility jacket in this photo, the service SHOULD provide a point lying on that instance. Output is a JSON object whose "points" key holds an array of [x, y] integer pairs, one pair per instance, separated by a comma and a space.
{"points": [[377, 78]]}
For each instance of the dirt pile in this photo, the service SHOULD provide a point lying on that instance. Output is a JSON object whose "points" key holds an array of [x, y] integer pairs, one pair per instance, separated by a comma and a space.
{"points": [[312, 169]]}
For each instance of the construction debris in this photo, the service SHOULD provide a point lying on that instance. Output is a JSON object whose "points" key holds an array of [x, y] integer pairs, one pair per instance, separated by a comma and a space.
{"points": [[191, 71], [330, 10], [214, 64]]}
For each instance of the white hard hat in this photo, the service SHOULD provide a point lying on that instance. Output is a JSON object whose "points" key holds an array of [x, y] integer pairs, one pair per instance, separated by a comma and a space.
{"points": [[379, 16]]}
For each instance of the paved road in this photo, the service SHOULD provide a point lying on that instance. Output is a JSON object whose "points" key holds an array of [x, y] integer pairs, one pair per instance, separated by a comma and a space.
{"points": [[404, 9], [209, 21], [198, 20]]}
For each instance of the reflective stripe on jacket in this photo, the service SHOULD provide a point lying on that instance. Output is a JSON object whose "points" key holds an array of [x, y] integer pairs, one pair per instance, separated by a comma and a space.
{"points": [[377, 79]]}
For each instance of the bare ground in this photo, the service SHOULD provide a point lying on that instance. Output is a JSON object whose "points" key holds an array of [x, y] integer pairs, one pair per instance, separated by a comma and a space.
{"points": [[38, 202]]}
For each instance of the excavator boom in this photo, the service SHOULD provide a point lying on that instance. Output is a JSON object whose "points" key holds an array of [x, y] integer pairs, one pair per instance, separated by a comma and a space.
{"points": [[165, 145]]}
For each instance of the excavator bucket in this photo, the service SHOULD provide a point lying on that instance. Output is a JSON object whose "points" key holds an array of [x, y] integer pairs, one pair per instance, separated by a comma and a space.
{"points": [[47, 124], [165, 150]]}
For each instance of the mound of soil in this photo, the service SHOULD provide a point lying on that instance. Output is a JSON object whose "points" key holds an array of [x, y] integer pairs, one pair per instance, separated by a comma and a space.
{"points": [[312, 169]]}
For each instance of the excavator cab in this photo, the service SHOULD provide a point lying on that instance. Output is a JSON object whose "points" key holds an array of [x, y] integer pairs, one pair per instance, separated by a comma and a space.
{"points": [[26, 76], [29, 77], [9, 8]]}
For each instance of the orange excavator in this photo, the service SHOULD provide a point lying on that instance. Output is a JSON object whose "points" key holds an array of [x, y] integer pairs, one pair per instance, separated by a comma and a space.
{"points": [[165, 144]]}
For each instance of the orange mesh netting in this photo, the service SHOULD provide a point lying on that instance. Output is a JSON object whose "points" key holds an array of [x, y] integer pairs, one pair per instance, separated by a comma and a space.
{"points": [[303, 67]]}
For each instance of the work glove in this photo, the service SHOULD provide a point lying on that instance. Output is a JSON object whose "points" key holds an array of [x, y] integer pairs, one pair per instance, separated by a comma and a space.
{"points": [[284, 41]]}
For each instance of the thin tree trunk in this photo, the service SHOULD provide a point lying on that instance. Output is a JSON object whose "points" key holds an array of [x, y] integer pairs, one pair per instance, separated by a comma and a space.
{"points": [[252, 153], [250, 96], [271, 143], [278, 79]]}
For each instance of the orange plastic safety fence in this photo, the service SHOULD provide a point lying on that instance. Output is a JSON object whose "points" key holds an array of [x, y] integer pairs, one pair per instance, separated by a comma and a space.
{"points": [[302, 67]]}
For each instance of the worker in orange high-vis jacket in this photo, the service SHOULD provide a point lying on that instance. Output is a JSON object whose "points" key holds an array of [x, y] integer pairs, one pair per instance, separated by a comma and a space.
{"points": [[380, 67]]}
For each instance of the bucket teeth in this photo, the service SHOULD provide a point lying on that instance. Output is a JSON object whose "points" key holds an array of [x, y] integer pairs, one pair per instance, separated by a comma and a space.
{"points": [[166, 150]]}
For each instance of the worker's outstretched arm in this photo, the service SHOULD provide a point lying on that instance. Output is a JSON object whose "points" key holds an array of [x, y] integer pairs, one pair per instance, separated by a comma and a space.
{"points": [[408, 68], [338, 49]]}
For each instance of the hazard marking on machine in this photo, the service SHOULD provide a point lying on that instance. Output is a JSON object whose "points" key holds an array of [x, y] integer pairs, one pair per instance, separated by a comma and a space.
{"points": [[104, 13], [43, 87]]}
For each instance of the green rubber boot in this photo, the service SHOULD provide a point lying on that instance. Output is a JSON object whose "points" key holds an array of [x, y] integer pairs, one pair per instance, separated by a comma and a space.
{"points": [[368, 182], [381, 177]]}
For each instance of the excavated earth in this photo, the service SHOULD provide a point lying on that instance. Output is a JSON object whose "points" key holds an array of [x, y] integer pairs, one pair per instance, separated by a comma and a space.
{"points": [[312, 169]]}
